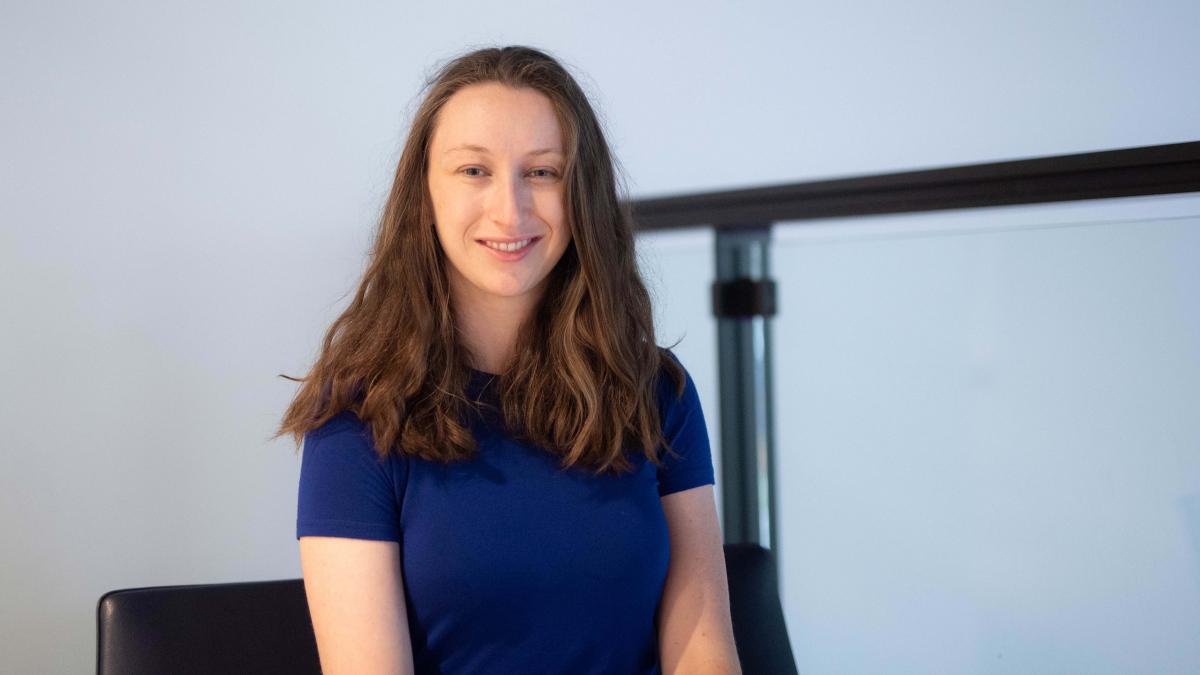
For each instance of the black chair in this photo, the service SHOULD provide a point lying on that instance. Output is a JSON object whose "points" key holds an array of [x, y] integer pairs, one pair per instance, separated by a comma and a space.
{"points": [[758, 626], [250, 627], [264, 626]]}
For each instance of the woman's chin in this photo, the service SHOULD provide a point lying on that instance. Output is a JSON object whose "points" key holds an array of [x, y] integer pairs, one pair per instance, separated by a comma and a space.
{"points": [[508, 292]]}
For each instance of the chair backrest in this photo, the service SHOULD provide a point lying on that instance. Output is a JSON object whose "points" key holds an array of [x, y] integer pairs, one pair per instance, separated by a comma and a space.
{"points": [[264, 626], [251, 627], [758, 624]]}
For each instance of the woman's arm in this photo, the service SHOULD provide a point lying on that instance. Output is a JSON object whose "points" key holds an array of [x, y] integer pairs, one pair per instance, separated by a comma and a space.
{"points": [[695, 633], [356, 600]]}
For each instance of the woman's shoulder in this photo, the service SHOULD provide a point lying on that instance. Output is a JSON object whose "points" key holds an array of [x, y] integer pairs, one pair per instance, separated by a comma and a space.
{"points": [[346, 441], [344, 422], [688, 463], [670, 365], [344, 433], [674, 383]]}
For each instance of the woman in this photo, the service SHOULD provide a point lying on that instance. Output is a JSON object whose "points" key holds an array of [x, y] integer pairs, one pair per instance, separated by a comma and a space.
{"points": [[502, 471]]}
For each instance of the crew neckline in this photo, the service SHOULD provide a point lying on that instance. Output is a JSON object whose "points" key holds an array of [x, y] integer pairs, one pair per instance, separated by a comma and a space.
{"points": [[482, 383]]}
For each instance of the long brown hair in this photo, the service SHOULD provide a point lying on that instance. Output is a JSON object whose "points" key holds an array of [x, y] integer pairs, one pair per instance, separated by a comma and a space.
{"points": [[582, 382]]}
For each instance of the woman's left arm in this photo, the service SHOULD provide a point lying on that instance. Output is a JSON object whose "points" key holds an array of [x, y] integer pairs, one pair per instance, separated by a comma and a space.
{"points": [[695, 634]]}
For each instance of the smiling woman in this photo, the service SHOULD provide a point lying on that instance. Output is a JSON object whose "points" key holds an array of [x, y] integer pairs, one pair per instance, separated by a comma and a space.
{"points": [[502, 471]]}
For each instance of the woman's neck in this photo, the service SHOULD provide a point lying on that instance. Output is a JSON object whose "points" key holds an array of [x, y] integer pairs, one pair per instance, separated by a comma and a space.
{"points": [[488, 327]]}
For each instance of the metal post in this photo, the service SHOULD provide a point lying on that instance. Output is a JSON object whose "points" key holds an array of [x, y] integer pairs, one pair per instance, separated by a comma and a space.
{"points": [[743, 301]]}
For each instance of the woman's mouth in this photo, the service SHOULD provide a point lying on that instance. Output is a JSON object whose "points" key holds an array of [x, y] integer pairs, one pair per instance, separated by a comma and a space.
{"points": [[510, 251]]}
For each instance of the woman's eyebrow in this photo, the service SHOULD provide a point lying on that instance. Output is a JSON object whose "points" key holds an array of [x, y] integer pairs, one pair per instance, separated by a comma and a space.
{"points": [[482, 150]]}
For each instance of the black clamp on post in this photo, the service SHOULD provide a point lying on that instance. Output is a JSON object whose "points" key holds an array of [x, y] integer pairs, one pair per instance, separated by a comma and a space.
{"points": [[743, 298]]}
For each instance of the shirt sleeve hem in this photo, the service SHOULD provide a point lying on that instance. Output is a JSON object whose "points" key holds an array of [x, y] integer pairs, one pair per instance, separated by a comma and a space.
{"points": [[346, 528], [684, 484]]}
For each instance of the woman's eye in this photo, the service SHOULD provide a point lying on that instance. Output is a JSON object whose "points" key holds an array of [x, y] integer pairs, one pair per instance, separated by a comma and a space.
{"points": [[469, 169], [545, 173]]}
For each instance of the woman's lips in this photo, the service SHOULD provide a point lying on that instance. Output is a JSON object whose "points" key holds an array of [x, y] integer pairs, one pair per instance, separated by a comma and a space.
{"points": [[511, 256]]}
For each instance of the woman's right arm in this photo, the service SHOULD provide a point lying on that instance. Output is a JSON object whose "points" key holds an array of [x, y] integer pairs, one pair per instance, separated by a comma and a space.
{"points": [[356, 600]]}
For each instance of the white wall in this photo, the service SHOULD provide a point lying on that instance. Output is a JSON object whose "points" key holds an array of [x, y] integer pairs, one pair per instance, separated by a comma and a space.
{"points": [[188, 190]]}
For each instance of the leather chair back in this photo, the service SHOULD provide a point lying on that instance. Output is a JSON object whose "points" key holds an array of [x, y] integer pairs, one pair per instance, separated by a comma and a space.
{"points": [[264, 626], [250, 627]]}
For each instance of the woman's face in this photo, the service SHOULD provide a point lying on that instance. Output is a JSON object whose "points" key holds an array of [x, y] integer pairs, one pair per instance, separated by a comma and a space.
{"points": [[495, 165]]}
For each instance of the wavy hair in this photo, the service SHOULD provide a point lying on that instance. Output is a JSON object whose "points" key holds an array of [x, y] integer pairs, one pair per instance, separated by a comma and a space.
{"points": [[583, 379]]}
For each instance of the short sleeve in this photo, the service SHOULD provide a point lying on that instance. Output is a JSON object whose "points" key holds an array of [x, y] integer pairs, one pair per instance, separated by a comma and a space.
{"points": [[345, 490], [684, 429]]}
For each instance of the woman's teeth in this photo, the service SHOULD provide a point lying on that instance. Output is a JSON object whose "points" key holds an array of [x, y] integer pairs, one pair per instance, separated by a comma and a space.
{"points": [[515, 246]]}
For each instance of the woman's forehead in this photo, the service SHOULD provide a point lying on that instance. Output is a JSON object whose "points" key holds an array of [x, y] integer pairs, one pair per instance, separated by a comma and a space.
{"points": [[493, 118]]}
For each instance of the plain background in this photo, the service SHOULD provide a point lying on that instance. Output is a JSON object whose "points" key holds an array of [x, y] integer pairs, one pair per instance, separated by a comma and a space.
{"points": [[989, 435]]}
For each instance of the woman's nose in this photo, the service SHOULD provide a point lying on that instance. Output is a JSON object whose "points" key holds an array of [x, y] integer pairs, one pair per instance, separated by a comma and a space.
{"points": [[508, 202]]}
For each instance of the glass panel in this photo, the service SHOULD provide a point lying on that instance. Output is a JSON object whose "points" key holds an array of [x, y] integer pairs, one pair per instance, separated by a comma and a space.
{"points": [[989, 439]]}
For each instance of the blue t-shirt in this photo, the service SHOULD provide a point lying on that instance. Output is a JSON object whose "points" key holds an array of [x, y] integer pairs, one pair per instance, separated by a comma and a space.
{"points": [[511, 564]]}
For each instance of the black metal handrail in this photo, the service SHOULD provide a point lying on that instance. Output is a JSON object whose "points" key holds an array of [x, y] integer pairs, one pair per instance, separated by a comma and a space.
{"points": [[1150, 170]]}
